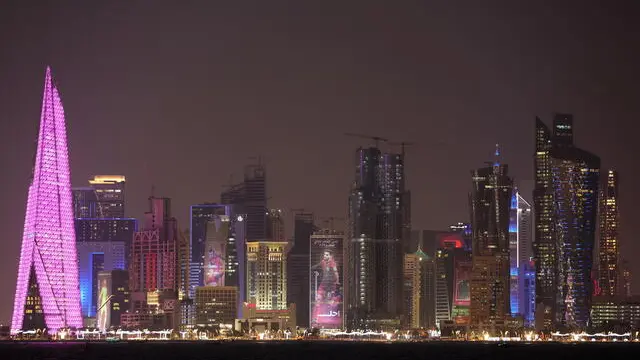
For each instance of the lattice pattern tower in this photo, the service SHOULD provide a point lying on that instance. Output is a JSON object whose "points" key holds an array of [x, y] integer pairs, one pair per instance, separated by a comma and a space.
{"points": [[49, 241]]}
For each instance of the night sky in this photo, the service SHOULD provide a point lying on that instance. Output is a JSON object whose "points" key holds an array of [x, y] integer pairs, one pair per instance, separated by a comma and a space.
{"points": [[181, 97]]}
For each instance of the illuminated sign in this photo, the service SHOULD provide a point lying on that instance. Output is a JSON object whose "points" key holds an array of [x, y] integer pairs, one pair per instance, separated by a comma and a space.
{"points": [[103, 316], [326, 303], [217, 232]]}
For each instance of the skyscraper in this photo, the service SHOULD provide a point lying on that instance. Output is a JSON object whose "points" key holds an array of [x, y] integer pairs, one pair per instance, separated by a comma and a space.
{"points": [[519, 249], [48, 254], [377, 230], [490, 204], [275, 225], [109, 190], [250, 198], [267, 275], [565, 207], [609, 272], [298, 266]]}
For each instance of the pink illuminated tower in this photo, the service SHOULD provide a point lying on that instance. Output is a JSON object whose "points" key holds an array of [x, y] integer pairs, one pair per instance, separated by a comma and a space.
{"points": [[49, 241]]}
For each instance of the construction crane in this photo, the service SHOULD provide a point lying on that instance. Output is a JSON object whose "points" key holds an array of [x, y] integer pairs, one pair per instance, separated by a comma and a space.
{"points": [[402, 144], [377, 139]]}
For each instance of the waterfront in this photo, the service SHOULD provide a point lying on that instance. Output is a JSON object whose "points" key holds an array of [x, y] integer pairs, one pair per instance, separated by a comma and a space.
{"points": [[333, 350]]}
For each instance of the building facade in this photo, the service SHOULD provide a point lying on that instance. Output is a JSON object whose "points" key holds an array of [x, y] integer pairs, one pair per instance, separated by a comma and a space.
{"points": [[298, 262], [378, 230], [250, 198], [216, 306], [490, 276], [267, 274], [566, 205], [326, 297], [48, 255], [608, 252], [520, 231], [109, 190]]}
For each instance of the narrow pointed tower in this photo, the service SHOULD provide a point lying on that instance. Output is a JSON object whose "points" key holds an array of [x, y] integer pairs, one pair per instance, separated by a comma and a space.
{"points": [[48, 269]]}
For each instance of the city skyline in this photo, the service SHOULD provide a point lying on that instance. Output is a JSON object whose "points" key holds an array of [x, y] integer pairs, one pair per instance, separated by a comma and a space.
{"points": [[105, 108]]}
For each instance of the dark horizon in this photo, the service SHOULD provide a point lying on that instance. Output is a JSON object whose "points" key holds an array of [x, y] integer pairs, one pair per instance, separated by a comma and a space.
{"points": [[180, 97]]}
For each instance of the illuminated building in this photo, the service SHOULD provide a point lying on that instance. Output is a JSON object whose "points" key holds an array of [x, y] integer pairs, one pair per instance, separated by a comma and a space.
{"points": [[250, 198], [519, 249], [325, 269], [465, 230], [298, 267], [378, 230], [267, 274], [85, 203], [225, 229], [452, 267], [490, 277], [616, 314], [102, 245], [565, 204], [528, 305], [262, 320], [419, 290], [216, 305], [626, 280], [153, 270], [609, 223], [109, 191], [113, 299], [48, 256]]}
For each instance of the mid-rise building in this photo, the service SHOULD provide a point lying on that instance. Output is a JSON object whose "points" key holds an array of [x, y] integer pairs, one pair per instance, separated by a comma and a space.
{"points": [[565, 207], [378, 229], [216, 306], [609, 269], [267, 274], [113, 298], [490, 276], [615, 314]]}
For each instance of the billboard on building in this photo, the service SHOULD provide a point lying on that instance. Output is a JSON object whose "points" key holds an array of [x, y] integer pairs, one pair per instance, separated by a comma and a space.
{"points": [[103, 314], [217, 233], [326, 302]]}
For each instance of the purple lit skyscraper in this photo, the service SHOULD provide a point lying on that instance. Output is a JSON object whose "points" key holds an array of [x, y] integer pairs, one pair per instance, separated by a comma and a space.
{"points": [[49, 241]]}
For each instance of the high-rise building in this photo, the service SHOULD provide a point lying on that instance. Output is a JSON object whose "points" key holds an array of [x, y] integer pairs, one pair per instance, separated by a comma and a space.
{"points": [[103, 245], [608, 252], [419, 290], [217, 238], [48, 268], [267, 274], [490, 277], [85, 203], [528, 304], [565, 207], [377, 232], [153, 270], [109, 190], [465, 230], [250, 198], [519, 249], [625, 290], [298, 267], [325, 272]]}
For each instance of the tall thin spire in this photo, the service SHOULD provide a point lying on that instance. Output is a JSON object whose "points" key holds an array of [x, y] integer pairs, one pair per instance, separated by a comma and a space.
{"points": [[49, 242]]}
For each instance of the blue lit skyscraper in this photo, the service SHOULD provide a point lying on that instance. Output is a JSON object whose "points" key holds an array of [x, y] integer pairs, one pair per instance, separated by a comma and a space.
{"points": [[519, 250]]}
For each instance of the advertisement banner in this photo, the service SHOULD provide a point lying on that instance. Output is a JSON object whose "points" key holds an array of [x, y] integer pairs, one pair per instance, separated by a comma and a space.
{"points": [[217, 233], [326, 302], [103, 315]]}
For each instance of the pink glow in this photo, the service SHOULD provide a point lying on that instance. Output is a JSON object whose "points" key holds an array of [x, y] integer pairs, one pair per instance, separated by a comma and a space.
{"points": [[49, 239]]}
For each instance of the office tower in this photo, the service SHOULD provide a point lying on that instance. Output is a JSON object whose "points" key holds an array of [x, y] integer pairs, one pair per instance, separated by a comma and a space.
{"points": [[377, 228], [452, 279], [609, 223], [519, 249], [528, 304], [275, 225], [109, 190], [412, 290], [102, 245], [615, 314], [298, 266], [48, 254], [113, 298], [250, 198], [325, 279], [625, 290], [565, 207], [222, 229], [490, 204], [443, 287], [267, 274], [427, 304], [184, 262], [216, 306], [153, 270], [85, 203]]}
